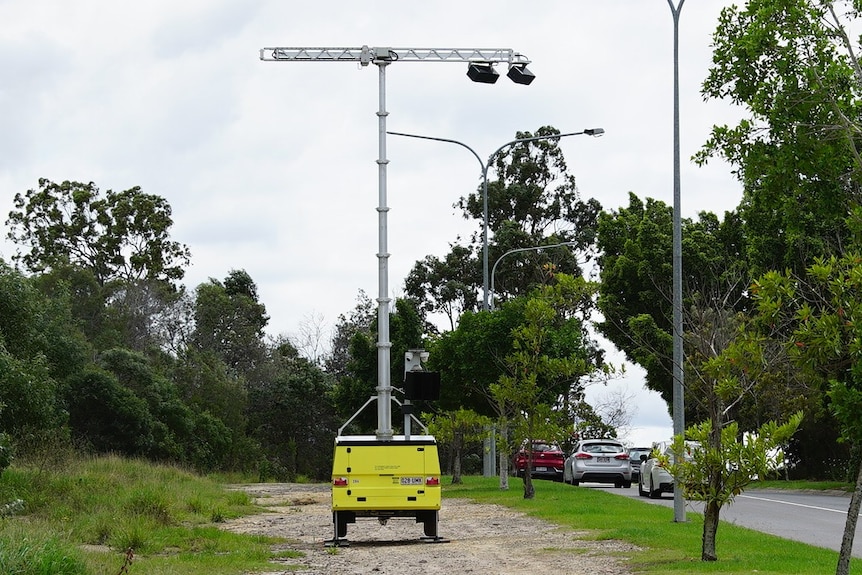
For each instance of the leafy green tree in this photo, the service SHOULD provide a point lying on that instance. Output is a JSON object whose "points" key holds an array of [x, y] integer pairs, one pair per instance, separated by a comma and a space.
{"points": [[636, 279], [230, 321], [292, 416], [533, 201], [719, 464], [818, 317], [541, 364], [39, 349], [457, 428], [447, 286], [107, 416], [123, 235], [790, 65], [360, 319]]}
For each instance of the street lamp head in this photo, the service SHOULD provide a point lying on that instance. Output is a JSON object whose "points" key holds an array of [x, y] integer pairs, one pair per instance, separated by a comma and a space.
{"points": [[519, 74], [594, 131], [482, 72]]}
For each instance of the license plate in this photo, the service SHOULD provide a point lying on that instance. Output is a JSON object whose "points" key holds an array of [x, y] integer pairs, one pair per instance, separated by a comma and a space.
{"points": [[411, 481], [604, 459], [541, 469]]}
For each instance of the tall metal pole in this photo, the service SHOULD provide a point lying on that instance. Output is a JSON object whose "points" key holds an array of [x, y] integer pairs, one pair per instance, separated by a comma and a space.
{"points": [[384, 346], [678, 358], [485, 166]]}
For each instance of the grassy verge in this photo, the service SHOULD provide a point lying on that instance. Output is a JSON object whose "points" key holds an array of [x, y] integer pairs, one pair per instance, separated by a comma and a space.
{"points": [[666, 547], [82, 519]]}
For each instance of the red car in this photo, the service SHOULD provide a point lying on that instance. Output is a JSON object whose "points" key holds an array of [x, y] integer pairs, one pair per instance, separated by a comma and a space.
{"points": [[548, 460]]}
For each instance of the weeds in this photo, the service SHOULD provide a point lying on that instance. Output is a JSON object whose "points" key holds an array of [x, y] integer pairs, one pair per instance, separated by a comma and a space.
{"points": [[164, 513]]}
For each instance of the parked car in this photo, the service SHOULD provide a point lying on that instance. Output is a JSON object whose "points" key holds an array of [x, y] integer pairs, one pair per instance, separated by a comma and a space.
{"points": [[599, 461], [547, 460], [655, 479], [635, 457]]}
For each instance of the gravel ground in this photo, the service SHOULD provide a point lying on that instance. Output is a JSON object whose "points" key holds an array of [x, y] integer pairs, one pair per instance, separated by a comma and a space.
{"points": [[481, 538]]}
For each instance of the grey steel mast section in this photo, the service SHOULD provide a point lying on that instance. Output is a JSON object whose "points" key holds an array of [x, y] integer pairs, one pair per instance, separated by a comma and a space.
{"points": [[382, 57], [366, 55]]}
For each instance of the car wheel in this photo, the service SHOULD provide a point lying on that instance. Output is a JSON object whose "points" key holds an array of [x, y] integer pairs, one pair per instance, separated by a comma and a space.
{"points": [[641, 490], [575, 482], [653, 493], [618, 485], [627, 484]]}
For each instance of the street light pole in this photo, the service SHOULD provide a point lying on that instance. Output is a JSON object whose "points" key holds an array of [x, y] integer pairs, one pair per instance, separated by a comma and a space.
{"points": [[516, 250], [678, 357], [485, 165]]}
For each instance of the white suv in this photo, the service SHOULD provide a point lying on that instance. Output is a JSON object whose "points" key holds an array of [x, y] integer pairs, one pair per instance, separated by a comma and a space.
{"points": [[654, 479]]}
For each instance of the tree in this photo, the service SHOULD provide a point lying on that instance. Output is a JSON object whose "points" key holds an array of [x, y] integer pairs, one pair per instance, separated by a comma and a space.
{"points": [[635, 288], [230, 321], [123, 235], [290, 412], [457, 428], [447, 286], [543, 362], [40, 348], [533, 202], [718, 464], [791, 65], [819, 318]]}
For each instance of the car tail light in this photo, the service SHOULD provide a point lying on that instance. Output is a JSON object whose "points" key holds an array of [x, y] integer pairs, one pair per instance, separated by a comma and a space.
{"points": [[583, 455], [339, 482], [432, 481], [622, 456]]}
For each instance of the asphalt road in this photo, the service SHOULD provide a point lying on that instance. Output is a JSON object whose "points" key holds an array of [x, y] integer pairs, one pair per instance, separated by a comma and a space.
{"points": [[809, 517]]}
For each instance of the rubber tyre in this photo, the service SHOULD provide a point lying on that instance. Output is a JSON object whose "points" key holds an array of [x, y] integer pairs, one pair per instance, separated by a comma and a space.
{"points": [[653, 493], [627, 484], [641, 490]]}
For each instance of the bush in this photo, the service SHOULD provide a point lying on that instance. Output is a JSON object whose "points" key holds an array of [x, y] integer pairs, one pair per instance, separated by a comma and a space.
{"points": [[6, 455]]}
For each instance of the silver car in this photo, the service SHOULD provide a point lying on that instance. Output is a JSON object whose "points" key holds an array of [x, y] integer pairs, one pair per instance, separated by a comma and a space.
{"points": [[599, 461]]}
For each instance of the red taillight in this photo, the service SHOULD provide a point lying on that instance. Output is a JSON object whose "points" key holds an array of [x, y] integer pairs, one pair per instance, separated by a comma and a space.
{"points": [[339, 482], [583, 455], [622, 456], [432, 481]]}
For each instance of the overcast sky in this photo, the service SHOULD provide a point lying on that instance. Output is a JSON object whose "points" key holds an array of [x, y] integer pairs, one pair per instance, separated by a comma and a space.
{"points": [[271, 167]]}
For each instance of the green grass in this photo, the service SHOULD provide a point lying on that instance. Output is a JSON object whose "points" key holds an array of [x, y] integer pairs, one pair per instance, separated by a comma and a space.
{"points": [[81, 519], [666, 547], [806, 485]]}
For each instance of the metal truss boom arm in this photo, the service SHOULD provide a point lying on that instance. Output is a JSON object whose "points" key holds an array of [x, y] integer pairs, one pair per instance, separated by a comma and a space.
{"points": [[366, 55]]}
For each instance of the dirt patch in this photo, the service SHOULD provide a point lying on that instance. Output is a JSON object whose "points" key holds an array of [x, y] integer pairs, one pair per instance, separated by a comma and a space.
{"points": [[481, 539]]}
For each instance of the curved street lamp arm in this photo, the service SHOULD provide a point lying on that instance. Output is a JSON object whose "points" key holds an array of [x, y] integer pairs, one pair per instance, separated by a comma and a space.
{"points": [[589, 132], [472, 151]]}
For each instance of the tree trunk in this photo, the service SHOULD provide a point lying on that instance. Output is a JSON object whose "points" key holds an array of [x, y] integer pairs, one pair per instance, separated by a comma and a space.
{"points": [[457, 441], [850, 527], [529, 488], [504, 458], [710, 530]]}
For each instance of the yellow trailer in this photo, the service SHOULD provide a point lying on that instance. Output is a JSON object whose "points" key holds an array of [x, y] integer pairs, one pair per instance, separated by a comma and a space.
{"points": [[396, 477]]}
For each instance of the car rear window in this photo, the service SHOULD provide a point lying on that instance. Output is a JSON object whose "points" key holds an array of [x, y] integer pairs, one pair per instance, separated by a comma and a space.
{"points": [[602, 448]]}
